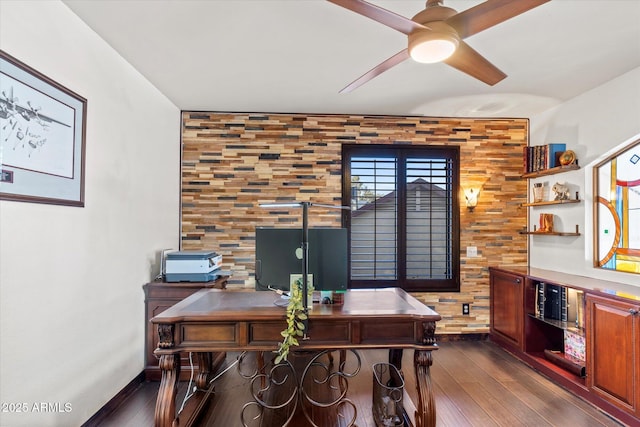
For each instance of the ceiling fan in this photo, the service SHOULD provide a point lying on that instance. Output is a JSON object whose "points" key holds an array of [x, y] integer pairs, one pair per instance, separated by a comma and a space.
{"points": [[436, 35]]}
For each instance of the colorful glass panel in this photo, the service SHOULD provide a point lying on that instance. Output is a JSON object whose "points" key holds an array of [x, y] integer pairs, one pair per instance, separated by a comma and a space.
{"points": [[618, 211]]}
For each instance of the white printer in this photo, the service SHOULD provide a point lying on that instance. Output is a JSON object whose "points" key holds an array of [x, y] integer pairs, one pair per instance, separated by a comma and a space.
{"points": [[192, 266]]}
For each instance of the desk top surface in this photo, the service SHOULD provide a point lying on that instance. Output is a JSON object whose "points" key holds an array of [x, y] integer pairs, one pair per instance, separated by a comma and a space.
{"points": [[228, 305]]}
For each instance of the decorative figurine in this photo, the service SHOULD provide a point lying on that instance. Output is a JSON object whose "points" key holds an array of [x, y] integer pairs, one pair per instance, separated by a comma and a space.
{"points": [[561, 191], [567, 158]]}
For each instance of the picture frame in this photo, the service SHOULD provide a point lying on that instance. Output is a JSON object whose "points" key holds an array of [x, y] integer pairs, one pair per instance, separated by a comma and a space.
{"points": [[42, 137]]}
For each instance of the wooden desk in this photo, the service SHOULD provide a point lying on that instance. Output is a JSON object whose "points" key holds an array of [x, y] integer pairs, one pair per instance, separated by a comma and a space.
{"points": [[212, 320]]}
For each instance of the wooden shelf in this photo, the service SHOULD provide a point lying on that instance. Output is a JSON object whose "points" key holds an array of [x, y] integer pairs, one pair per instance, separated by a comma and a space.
{"points": [[551, 171], [561, 324], [552, 202], [566, 378], [554, 233]]}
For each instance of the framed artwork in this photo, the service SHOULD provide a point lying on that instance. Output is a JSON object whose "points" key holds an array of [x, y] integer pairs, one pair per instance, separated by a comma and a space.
{"points": [[42, 137], [617, 210]]}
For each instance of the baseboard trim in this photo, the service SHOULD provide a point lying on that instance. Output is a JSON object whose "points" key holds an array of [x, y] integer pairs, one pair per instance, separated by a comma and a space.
{"points": [[462, 337], [117, 400]]}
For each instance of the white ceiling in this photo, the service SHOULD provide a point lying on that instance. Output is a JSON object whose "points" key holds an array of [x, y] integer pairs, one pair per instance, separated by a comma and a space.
{"points": [[295, 55]]}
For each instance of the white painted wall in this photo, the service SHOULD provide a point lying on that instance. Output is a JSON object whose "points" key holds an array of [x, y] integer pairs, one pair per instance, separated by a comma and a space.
{"points": [[71, 299], [592, 125]]}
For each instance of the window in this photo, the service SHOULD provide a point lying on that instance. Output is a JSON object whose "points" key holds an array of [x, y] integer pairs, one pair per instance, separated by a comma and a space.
{"points": [[404, 219], [617, 213]]}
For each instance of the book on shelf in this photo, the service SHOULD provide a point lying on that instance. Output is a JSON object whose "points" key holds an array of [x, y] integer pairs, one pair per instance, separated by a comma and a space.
{"points": [[564, 305], [537, 158], [553, 302], [571, 295], [575, 345], [580, 308], [540, 299], [554, 153], [556, 302]]}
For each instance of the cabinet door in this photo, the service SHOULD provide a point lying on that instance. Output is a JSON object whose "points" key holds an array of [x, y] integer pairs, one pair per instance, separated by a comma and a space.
{"points": [[507, 307], [613, 347]]}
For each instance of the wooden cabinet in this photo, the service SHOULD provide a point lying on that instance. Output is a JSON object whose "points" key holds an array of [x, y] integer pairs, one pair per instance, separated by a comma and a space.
{"points": [[159, 296], [507, 302], [613, 345], [598, 319]]}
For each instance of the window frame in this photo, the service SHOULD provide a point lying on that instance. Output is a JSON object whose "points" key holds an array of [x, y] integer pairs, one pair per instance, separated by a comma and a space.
{"points": [[402, 153], [612, 210]]}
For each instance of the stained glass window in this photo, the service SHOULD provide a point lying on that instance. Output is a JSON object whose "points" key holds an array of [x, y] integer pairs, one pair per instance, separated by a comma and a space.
{"points": [[617, 200]]}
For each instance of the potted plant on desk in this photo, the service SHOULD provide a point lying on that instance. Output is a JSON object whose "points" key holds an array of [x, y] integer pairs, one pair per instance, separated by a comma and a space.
{"points": [[296, 322]]}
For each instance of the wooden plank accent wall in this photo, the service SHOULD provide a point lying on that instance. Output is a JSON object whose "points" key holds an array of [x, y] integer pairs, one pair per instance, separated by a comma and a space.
{"points": [[231, 162]]}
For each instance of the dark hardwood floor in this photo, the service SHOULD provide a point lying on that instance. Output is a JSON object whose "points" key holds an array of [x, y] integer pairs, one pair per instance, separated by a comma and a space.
{"points": [[475, 383]]}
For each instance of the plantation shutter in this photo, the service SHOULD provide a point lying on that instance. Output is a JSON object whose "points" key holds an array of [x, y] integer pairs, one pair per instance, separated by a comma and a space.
{"points": [[404, 219]]}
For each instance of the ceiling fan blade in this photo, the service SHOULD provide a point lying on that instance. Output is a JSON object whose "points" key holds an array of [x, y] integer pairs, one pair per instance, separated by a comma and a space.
{"points": [[467, 60], [488, 14], [378, 14], [377, 70]]}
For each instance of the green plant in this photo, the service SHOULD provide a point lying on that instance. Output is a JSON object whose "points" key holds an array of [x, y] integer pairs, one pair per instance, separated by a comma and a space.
{"points": [[296, 317]]}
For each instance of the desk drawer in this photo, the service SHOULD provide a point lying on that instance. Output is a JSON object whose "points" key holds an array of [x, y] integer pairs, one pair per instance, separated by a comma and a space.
{"points": [[331, 332], [388, 331], [261, 333], [319, 332], [209, 334]]}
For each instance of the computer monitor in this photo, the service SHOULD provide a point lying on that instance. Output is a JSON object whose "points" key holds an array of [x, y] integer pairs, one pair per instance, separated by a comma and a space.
{"points": [[279, 255]]}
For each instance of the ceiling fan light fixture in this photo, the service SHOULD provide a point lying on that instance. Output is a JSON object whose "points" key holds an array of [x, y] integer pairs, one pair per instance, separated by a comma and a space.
{"points": [[432, 46]]}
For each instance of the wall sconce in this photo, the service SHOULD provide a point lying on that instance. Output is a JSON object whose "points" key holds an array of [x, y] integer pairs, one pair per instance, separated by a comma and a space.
{"points": [[471, 196]]}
